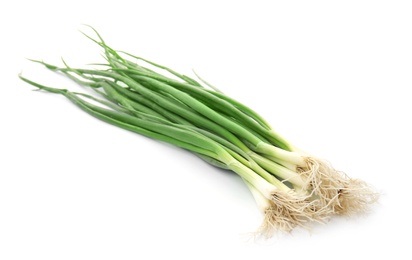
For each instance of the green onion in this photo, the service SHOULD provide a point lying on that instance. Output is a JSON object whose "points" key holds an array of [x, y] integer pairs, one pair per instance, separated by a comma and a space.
{"points": [[292, 188]]}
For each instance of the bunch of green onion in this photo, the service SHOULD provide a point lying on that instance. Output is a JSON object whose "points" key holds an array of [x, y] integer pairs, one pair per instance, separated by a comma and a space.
{"points": [[291, 187]]}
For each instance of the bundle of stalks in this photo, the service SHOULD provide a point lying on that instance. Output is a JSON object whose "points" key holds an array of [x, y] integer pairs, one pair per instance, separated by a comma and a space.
{"points": [[292, 188]]}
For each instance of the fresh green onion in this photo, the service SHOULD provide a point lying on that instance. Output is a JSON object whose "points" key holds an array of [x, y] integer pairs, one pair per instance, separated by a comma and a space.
{"points": [[291, 187]]}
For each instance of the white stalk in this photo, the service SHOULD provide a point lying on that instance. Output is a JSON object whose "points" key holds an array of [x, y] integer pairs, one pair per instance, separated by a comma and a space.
{"points": [[262, 202], [290, 157], [278, 170], [255, 179], [288, 165]]}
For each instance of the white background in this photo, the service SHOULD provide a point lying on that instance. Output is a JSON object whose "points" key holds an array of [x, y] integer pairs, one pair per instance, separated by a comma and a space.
{"points": [[333, 76]]}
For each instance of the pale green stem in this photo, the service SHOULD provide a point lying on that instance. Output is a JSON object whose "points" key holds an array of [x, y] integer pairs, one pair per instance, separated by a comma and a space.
{"points": [[291, 157], [278, 170]]}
